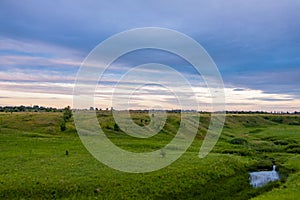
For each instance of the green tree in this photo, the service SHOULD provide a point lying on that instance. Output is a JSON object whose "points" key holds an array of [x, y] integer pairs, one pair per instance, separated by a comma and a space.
{"points": [[67, 113]]}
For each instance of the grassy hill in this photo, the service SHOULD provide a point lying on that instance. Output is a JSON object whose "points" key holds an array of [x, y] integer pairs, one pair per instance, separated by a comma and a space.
{"points": [[34, 164]]}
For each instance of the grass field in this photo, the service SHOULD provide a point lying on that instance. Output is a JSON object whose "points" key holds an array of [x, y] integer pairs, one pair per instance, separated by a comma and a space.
{"points": [[34, 164]]}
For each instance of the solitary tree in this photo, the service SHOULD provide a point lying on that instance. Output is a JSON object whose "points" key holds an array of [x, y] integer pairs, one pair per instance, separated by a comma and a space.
{"points": [[66, 117], [67, 114]]}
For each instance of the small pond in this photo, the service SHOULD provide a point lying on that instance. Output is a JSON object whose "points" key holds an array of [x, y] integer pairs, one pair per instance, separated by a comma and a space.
{"points": [[259, 179]]}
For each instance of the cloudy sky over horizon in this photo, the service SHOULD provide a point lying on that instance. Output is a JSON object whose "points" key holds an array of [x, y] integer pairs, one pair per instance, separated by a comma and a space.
{"points": [[255, 45]]}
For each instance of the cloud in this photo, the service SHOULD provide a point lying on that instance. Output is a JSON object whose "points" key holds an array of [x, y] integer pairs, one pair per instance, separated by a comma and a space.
{"points": [[268, 81], [83, 24], [255, 44], [274, 99], [16, 53], [239, 89], [36, 48]]}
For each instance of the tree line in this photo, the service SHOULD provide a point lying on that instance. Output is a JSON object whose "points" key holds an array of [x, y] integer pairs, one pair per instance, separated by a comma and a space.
{"points": [[34, 108], [37, 108]]}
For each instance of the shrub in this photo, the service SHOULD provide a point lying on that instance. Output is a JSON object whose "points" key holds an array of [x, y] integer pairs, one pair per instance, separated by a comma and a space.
{"points": [[256, 130], [276, 119], [108, 127], [239, 152], [281, 142], [116, 127], [294, 150], [63, 126], [241, 141], [67, 114], [294, 123], [292, 146], [262, 165]]}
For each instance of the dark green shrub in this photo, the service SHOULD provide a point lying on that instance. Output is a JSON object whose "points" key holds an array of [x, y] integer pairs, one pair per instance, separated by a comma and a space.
{"points": [[281, 142], [258, 130], [63, 126], [262, 165], [292, 146], [276, 119], [241, 141], [284, 172], [294, 150], [67, 114], [267, 147], [108, 127], [116, 127], [239, 152], [294, 123]]}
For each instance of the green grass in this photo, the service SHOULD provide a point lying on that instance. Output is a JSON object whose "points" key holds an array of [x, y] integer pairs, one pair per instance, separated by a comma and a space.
{"points": [[34, 164]]}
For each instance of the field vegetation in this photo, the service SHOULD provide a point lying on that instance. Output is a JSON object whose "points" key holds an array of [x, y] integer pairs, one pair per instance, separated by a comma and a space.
{"points": [[42, 160]]}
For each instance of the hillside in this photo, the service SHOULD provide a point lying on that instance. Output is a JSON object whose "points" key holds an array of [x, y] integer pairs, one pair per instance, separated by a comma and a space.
{"points": [[36, 165]]}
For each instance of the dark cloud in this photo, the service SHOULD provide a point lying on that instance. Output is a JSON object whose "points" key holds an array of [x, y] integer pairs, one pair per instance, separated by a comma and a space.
{"points": [[239, 89], [274, 81], [272, 99]]}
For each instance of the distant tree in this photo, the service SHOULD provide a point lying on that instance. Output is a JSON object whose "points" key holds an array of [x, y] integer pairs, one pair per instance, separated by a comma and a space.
{"points": [[35, 108], [67, 114], [22, 108]]}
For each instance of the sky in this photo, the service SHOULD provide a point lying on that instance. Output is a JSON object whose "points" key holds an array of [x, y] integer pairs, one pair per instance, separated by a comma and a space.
{"points": [[255, 45]]}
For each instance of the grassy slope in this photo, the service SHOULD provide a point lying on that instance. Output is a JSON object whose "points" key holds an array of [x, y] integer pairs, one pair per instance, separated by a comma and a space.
{"points": [[32, 149], [290, 189]]}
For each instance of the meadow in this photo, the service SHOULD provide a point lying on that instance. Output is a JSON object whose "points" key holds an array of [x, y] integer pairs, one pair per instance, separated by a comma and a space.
{"points": [[40, 160]]}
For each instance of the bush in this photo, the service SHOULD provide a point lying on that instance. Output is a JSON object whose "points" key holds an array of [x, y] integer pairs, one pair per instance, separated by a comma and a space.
{"points": [[292, 146], [284, 172], [294, 150], [108, 127], [241, 141], [267, 147], [281, 142], [239, 152], [294, 123], [276, 119], [63, 126], [67, 114], [262, 165], [256, 130], [116, 127]]}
